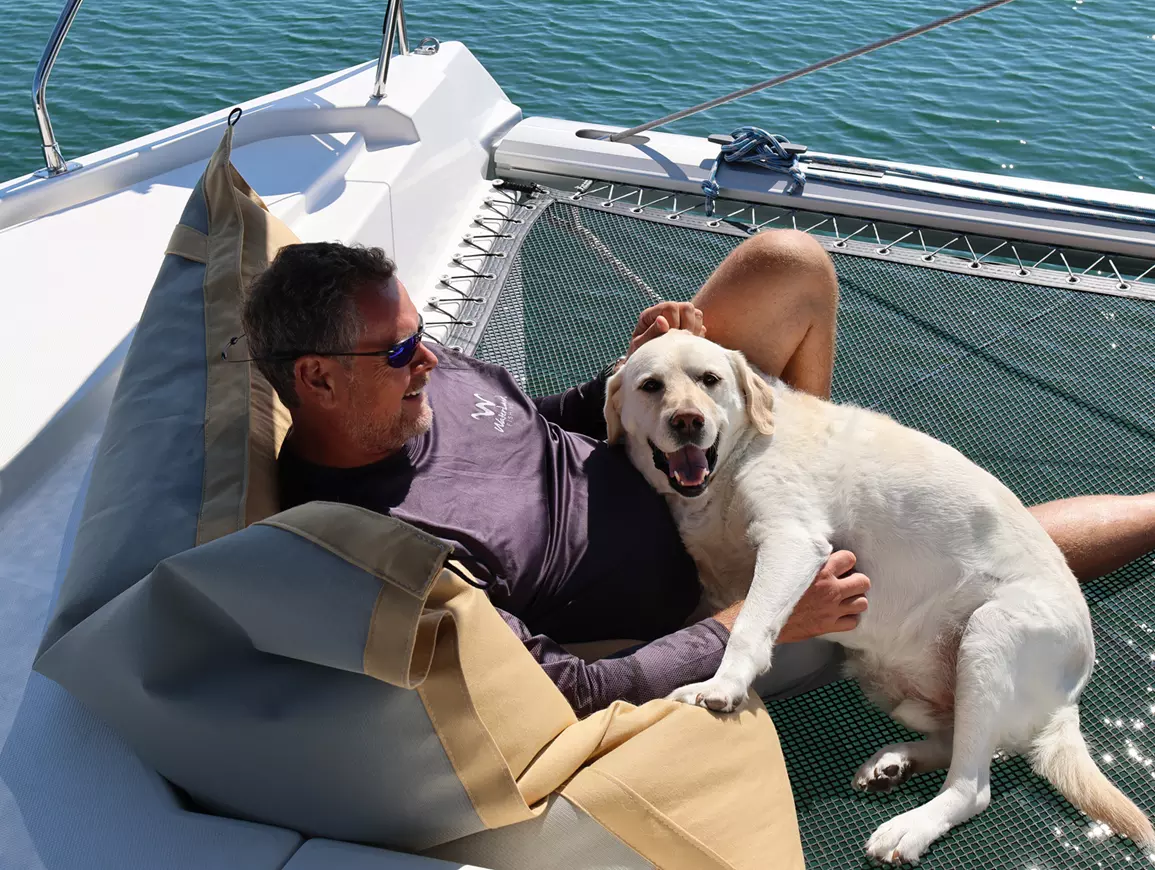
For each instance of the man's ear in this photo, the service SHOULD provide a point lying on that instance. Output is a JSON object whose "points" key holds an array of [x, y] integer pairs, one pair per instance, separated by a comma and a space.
{"points": [[314, 382], [757, 393], [613, 408]]}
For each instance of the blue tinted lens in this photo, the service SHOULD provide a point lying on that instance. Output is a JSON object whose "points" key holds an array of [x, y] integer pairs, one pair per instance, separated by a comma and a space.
{"points": [[401, 354]]}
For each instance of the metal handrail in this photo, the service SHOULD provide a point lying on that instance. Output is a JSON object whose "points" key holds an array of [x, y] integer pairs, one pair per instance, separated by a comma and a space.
{"points": [[393, 28], [393, 25], [54, 162]]}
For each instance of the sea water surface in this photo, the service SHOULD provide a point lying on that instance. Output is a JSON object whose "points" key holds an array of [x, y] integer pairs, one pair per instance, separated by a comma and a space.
{"points": [[1055, 89]]}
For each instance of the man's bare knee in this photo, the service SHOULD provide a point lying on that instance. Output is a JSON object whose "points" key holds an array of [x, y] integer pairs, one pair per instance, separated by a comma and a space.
{"points": [[775, 298], [790, 261], [785, 249]]}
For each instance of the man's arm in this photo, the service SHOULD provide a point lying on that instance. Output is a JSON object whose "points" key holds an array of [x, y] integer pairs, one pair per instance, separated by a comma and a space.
{"points": [[832, 603], [579, 409], [651, 671]]}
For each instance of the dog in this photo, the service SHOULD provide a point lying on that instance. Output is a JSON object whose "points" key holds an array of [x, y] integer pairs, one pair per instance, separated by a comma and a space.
{"points": [[976, 633]]}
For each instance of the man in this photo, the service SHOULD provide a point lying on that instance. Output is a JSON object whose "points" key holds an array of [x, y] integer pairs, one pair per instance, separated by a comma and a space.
{"points": [[569, 541]]}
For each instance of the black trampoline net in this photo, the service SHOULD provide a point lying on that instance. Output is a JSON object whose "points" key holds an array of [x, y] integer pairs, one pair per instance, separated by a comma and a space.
{"points": [[1050, 389]]}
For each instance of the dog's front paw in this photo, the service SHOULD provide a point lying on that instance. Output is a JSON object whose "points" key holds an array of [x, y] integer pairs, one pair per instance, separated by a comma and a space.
{"points": [[904, 838], [719, 695]]}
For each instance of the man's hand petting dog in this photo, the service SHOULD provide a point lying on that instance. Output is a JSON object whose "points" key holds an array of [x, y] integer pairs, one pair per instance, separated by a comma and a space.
{"points": [[834, 602], [661, 318]]}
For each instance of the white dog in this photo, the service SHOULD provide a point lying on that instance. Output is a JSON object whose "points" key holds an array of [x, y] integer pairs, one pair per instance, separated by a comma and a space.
{"points": [[977, 633]]}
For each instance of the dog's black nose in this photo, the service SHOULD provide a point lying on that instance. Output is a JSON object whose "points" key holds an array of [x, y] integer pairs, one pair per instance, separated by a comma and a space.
{"points": [[685, 422]]}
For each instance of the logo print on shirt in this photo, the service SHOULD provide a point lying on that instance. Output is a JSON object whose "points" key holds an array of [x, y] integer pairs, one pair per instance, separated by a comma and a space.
{"points": [[485, 408]]}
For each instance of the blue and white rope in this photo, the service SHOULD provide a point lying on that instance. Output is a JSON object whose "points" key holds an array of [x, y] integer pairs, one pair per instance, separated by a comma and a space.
{"points": [[755, 146]]}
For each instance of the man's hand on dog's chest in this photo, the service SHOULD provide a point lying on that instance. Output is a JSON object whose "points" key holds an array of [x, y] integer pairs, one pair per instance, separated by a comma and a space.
{"points": [[833, 602]]}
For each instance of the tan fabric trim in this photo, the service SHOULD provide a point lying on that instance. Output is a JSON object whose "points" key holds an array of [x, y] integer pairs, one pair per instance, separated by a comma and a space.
{"points": [[587, 741], [471, 749], [269, 419], [242, 420], [269, 423], [189, 243], [632, 818], [695, 789], [405, 559], [513, 740], [398, 553], [520, 706], [492, 706], [227, 393]]}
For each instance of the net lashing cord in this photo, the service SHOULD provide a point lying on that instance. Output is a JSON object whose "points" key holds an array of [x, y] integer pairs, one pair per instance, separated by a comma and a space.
{"points": [[755, 146]]}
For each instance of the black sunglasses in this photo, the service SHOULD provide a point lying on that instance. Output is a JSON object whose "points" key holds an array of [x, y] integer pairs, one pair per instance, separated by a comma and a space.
{"points": [[397, 356]]}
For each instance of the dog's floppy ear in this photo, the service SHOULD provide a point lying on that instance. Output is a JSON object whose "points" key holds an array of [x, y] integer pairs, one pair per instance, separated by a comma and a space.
{"points": [[757, 393], [613, 409]]}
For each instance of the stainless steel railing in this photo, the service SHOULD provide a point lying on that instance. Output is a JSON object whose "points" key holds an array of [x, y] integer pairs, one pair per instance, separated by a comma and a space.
{"points": [[392, 27], [54, 162]]}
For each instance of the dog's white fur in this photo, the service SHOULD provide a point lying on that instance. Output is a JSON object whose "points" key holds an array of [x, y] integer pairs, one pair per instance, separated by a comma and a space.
{"points": [[976, 634]]}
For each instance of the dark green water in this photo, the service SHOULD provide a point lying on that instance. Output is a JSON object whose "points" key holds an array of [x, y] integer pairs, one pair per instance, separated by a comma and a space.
{"points": [[1057, 89]]}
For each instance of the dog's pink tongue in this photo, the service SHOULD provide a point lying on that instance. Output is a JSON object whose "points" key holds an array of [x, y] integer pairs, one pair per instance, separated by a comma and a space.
{"points": [[688, 466]]}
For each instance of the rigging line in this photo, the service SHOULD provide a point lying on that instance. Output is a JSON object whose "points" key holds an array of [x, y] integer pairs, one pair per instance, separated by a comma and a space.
{"points": [[814, 67]]}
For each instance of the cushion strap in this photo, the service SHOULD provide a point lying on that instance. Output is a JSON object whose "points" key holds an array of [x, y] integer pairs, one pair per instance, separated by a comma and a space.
{"points": [[188, 243]]}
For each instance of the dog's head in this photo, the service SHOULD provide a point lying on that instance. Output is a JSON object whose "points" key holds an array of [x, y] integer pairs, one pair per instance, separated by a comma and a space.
{"points": [[682, 402]]}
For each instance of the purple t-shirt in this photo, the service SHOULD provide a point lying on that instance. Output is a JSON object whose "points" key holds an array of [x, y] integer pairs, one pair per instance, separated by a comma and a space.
{"points": [[570, 541]]}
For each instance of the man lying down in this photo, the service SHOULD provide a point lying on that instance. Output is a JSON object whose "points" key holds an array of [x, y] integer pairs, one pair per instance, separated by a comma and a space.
{"points": [[570, 542]]}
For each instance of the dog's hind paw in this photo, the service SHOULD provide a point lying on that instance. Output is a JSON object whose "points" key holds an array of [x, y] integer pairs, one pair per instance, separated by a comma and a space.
{"points": [[884, 772], [721, 696]]}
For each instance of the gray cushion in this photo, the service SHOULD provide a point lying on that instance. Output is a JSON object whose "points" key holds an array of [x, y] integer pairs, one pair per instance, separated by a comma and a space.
{"points": [[73, 795], [236, 669], [330, 855]]}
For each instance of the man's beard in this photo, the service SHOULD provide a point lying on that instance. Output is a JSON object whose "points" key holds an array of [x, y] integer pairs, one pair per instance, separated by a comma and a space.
{"points": [[388, 436]]}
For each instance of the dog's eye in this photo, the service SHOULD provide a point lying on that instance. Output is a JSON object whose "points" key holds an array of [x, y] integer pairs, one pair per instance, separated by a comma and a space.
{"points": [[651, 385], [709, 379]]}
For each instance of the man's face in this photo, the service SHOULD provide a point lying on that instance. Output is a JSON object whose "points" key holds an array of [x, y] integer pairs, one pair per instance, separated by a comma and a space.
{"points": [[379, 407]]}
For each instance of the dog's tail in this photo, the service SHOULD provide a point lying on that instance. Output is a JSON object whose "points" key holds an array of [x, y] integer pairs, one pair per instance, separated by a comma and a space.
{"points": [[1060, 756]]}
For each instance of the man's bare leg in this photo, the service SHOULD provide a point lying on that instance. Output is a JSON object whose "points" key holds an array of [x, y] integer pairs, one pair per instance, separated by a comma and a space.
{"points": [[775, 298], [1100, 533]]}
